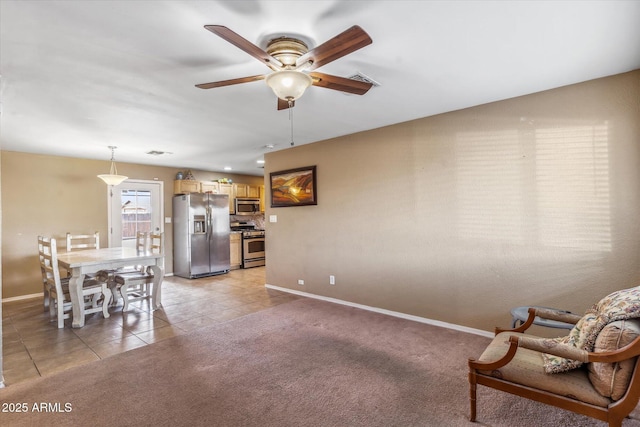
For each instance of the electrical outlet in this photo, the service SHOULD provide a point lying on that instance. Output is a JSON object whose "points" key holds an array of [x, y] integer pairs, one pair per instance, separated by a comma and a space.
{"points": [[300, 282], [332, 280]]}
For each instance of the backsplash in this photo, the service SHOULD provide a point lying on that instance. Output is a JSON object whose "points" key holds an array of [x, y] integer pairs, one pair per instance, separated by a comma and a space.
{"points": [[258, 220]]}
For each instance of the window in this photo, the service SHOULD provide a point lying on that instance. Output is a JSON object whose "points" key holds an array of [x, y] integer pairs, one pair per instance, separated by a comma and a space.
{"points": [[136, 213]]}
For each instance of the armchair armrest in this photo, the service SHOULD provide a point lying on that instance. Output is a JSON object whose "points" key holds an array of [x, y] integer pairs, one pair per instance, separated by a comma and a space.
{"points": [[559, 349], [570, 352], [559, 315], [543, 313], [496, 364]]}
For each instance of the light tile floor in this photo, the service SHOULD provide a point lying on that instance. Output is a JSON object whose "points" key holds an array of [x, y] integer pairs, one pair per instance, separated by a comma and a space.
{"points": [[33, 346]]}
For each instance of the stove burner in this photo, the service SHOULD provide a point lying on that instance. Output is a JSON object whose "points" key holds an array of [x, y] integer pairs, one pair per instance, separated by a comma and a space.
{"points": [[252, 233], [242, 225]]}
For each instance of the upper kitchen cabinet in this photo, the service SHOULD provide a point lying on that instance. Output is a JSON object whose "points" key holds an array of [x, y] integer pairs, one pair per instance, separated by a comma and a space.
{"points": [[240, 190], [253, 191], [210, 187], [228, 189], [186, 186], [247, 190]]}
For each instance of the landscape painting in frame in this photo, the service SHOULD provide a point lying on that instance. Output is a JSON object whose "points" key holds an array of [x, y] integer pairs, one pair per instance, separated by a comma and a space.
{"points": [[294, 187]]}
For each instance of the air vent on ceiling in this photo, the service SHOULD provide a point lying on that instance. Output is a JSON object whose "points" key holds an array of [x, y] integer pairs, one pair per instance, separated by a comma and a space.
{"points": [[157, 153], [364, 78]]}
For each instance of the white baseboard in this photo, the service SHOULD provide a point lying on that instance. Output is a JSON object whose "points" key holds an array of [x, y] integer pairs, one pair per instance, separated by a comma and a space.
{"points": [[387, 312]]}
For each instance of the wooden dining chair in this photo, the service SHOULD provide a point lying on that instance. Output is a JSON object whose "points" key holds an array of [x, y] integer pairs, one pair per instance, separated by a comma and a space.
{"points": [[136, 286], [141, 246], [43, 270], [58, 289], [83, 241], [79, 242]]}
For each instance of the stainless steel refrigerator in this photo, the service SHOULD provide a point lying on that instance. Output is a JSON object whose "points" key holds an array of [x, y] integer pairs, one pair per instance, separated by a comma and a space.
{"points": [[200, 235]]}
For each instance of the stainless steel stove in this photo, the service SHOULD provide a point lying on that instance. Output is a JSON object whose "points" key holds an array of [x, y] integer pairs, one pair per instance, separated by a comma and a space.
{"points": [[253, 254]]}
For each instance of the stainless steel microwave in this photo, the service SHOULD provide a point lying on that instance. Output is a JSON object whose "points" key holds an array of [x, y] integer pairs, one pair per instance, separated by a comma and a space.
{"points": [[245, 206]]}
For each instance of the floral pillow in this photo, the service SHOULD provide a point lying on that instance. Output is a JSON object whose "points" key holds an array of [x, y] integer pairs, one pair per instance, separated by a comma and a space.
{"points": [[619, 305]]}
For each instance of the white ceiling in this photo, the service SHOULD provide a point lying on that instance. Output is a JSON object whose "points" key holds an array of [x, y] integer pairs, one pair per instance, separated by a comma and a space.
{"points": [[78, 76]]}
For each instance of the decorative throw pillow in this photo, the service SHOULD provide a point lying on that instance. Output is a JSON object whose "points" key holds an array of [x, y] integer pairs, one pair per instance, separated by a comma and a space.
{"points": [[612, 379], [619, 305]]}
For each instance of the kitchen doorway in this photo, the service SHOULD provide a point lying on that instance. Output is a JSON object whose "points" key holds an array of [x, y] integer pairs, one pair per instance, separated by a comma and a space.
{"points": [[134, 205]]}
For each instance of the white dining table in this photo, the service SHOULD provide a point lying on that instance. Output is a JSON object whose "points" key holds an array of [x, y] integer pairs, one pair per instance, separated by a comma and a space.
{"points": [[81, 263]]}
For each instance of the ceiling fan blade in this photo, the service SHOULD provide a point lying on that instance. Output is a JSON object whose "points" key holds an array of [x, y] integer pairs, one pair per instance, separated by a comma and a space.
{"points": [[342, 84], [283, 105], [343, 44], [230, 82], [244, 44]]}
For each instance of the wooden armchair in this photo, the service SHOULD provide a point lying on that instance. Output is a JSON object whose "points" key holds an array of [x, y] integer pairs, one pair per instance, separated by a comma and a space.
{"points": [[513, 363]]}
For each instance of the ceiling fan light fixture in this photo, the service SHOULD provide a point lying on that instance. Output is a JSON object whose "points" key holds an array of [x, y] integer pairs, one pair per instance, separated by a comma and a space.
{"points": [[288, 85], [112, 178]]}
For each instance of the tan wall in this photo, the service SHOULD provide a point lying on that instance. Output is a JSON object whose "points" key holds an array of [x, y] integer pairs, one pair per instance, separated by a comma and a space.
{"points": [[48, 195], [461, 216]]}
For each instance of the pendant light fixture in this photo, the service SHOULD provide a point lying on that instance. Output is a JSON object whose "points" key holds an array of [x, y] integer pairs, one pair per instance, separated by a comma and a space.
{"points": [[112, 178]]}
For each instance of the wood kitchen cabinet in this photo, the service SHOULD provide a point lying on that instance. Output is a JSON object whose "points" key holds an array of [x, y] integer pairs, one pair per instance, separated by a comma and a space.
{"points": [[229, 190], [186, 186], [235, 241], [263, 197], [240, 190], [209, 187], [253, 191], [246, 190]]}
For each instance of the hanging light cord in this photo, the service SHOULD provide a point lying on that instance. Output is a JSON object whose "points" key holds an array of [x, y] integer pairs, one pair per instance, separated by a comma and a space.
{"points": [[113, 170], [291, 119]]}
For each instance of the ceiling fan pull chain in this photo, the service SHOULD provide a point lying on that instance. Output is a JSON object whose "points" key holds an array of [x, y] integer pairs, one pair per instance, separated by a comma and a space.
{"points": [[291, 119]]}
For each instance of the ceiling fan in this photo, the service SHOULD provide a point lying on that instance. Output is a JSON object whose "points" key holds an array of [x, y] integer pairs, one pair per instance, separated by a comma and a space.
{"points": [[293, 63]]}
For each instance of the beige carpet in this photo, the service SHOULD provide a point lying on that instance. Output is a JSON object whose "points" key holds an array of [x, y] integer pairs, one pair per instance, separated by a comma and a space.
{"points": [[304, 363]]}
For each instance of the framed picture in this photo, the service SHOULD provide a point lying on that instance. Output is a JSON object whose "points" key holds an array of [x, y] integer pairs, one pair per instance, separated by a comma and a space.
{"points": [[294, 187]]}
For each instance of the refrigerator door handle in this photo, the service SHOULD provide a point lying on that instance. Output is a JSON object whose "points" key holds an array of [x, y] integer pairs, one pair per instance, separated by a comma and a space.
{"points": [[208, 220]]}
